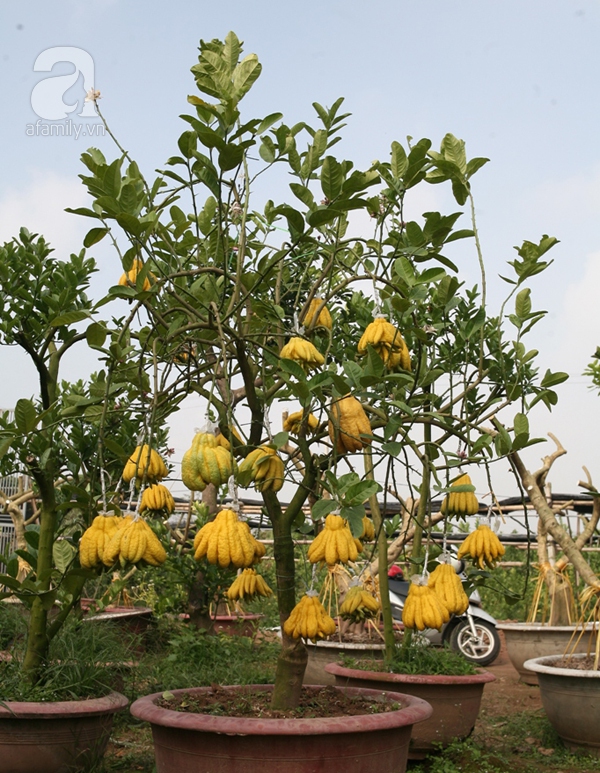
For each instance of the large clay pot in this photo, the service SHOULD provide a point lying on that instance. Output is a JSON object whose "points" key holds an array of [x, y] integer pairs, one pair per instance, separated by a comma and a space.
{"points": [[571, 700], [132, 621], [56, 737], [321, 653], [236, 625], [203, 743], [455, 701], [525, 641]]}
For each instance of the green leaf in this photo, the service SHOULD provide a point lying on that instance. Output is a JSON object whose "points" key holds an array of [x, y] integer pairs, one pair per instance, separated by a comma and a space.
{"points": [[552, 379], [322, 508], [268, 121], [69, 318], [521, 424], [32, 538], [5, 444], [523, 303], [304, 194], [294, 218], [267, 150], [280, 439], [331, 177], [245, 74], [94, 235], [231, 156], [116, 449], [187, 143], [95, 335], [393, 447], [62, 554], [323, 216], [25, 416], [405, 271], [399, 160]]}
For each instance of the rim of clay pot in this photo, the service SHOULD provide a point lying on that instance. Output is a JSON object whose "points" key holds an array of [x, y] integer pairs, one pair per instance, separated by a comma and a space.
{"points": [[112, 613], [240, 618], [413, 710], [544, 666], [108, 704], [538, 627], [481, 677], [348, 645]]}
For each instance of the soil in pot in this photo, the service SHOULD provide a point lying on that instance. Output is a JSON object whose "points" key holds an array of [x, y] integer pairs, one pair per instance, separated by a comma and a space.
{"points": [[213, 743], [56, 737]]}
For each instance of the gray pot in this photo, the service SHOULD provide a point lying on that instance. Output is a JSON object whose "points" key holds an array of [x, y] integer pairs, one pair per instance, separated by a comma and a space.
{"points": [[571, 700], [323, 652], [525, 641]]}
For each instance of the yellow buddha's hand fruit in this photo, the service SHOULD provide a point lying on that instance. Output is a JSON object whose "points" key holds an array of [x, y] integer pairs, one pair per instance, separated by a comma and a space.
{"points": [[322, 320], [303, 352], [483, 546], [387, 342], [334, 544], [309, 620], [423, 608], [130, 277], [293, 423], [460, 503], [145, 461], [157, 498], [349, 427], [263, 467], [447, 585], [227, 541]]}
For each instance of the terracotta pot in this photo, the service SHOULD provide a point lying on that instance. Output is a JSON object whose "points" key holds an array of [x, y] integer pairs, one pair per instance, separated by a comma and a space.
{"points": [[131, 620], [323, 652], [455, 701], [203, 743], [525, 641], [236, 625], [571, 700], [56, 737]]}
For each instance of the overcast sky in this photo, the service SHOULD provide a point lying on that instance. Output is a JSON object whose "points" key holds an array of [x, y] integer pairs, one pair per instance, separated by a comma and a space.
{"points": [[518, 81]]}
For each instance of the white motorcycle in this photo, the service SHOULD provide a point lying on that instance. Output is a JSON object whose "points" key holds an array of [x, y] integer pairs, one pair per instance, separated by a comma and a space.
{"points": [[473, 634]]}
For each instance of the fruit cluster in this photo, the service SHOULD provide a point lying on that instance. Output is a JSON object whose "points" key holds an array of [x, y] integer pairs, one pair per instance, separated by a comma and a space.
{"points": [[227, 541], [334, 544], [132, 542], [303, 352], [263, 467], [293, 423], [460, 503], [368, 532], [247, 585], [349, 427], [157, 498], [358, 605], [145, 461], [387, 342], [449, 589], [94, 540], [309, 619], [423, 608], [209, 460], [130, 277], [323, 319], [483, 546]]}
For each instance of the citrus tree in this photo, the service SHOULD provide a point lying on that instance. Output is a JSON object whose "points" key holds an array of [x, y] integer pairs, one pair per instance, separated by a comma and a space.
{"points": [[338, 304]]}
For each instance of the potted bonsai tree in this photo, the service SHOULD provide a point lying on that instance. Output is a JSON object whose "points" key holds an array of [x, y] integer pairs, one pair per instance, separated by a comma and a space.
{"points": [[367, 335], [56, 441]]}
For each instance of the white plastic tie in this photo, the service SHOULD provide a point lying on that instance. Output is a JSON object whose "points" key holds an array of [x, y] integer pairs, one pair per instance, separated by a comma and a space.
{"points": [[297, 329], [233, 494], [209, 427]]}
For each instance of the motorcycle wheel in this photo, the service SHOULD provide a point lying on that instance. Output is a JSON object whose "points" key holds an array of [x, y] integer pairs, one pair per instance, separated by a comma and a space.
{"points": [[481, 649]]}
